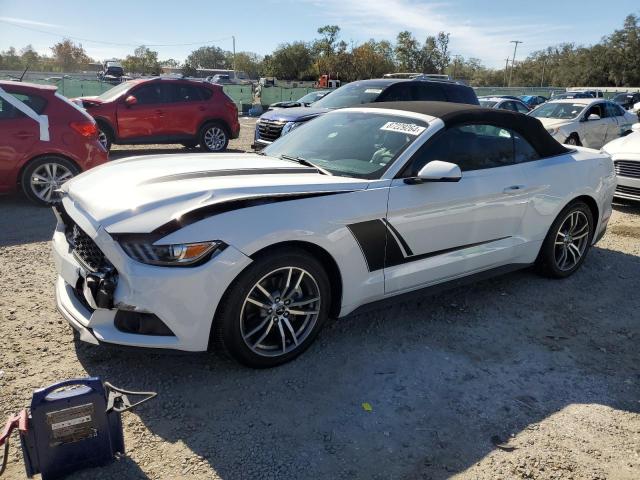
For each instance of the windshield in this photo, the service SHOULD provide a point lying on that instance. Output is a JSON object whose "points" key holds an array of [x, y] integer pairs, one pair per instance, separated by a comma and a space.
{"points": [[487, 103], [563, 111], [312, 97], [115, 92], [351, 95], [350, 144]]}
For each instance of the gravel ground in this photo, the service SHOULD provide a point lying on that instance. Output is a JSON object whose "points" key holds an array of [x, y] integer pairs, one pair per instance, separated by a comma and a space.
{"points": [[548, 370]]}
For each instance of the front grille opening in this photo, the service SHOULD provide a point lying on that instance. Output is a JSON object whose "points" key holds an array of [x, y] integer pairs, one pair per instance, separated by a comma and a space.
{"points": [[87, 250], [628, 190], [627, 168], [269, 130], [141, 324]]}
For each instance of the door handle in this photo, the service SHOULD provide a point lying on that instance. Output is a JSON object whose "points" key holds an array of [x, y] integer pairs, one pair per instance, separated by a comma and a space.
{"points": [[513, 189], [24, 135]]}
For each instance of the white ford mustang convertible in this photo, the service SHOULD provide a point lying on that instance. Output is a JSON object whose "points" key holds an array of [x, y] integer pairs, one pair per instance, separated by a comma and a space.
{"points": [[250, 253]]}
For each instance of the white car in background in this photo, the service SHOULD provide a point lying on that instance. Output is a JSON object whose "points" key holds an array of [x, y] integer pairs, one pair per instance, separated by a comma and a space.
{"points": [[252, 252], [504, 103], [589, 122], [625, 153]]}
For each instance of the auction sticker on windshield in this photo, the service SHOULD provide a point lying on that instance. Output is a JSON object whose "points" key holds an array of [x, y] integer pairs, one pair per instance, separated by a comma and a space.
{"points": [[408, 128]]}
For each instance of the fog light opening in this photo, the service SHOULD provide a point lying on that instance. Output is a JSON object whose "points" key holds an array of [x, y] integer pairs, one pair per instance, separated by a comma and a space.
{"points": [[141, 323]]}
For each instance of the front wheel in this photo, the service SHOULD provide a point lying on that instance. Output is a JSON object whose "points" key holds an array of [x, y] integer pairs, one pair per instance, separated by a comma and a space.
{"points": [[274, 310], [573, 140], [567, 242], [214, 138], [42, 178]]}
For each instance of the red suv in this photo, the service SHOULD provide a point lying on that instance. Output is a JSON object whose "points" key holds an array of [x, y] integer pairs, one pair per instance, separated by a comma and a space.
{"points": [[164, 110], [44, 140]]}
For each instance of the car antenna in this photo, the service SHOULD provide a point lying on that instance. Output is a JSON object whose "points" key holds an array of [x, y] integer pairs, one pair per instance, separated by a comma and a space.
{"points": [[23, 73]]}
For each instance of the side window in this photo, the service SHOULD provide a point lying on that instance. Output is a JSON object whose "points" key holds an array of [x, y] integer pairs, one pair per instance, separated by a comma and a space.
{"points": [[185, 93], [596, 110], [523, 150], [428, 92], [7, 110], [398, 92], [148, 94], [205, 93], [460, 94], [508, 106], [35, 102], [521, 108], [471, 147]]}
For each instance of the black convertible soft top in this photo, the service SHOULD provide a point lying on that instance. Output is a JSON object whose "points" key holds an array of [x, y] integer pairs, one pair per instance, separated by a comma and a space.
{"points": [[459, 113]]}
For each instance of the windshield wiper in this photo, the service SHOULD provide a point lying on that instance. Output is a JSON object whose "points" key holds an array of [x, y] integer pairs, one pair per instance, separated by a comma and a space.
{"points": [[304, 161]]}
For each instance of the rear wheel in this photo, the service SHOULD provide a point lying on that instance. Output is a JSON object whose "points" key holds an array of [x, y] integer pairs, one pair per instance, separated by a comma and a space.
{"points": [[274, 309], [567, 242], [44, 176], [214, 138]]}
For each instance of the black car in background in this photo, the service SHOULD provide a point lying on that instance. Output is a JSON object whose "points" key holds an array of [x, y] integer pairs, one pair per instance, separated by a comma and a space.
{"points": [[304, 101], [275, 123], [627, 100]]}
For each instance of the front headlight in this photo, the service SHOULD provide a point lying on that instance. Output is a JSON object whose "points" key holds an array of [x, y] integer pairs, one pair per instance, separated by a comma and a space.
{"points": [[177, 255], [290, 126], [553, 131]]}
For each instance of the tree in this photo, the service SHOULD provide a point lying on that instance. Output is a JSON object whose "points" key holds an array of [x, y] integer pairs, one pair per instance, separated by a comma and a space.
{"points": [[10, 60], [170, 62], [407, 52], [206, 57], [143, 61], [68, 56], [290, 61], [249, 63]]}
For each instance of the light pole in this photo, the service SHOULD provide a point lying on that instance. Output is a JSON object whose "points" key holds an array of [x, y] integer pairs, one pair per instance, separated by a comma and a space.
{"points": [[456, 58], [234, 54], [544, 64], [513, 62], [506, 67]]}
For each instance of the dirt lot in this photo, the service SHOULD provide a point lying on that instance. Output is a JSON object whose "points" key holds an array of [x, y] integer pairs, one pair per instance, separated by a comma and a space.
{"points": [[552, 368]]}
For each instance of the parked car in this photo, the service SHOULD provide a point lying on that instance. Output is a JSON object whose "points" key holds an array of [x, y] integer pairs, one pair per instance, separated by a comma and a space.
{"points": [[275, 123], [503, 103], [569, 95], [255, 251], [220, 79], [533, 101], [165, 110], [627, 100], [590, 122], [38, 153], [625, 152], [304, 101]]}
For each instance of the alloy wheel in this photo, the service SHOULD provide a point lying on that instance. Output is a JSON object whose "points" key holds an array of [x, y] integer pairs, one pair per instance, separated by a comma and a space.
{"points": [[47, 178], [215, 138], [280, 311], [571, 240]]}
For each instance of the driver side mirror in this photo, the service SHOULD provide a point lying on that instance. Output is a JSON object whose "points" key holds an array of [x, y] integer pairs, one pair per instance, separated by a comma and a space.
{"points": [[130, 100], [593, 116], [437, 171]]}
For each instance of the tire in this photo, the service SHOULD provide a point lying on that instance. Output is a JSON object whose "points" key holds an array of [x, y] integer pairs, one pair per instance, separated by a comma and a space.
{"points": [[214, 138], [573, 139], [258, 333], [44, 175], [190, 145], [565, 248], [105, 136]]}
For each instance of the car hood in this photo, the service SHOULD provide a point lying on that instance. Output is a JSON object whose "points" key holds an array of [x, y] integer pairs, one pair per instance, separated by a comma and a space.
{"points": [[627, 146], [138, 194], [297, 114]]}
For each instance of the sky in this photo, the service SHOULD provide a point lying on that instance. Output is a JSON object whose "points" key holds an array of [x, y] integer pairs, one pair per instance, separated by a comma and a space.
{"points": [[481, 29]]}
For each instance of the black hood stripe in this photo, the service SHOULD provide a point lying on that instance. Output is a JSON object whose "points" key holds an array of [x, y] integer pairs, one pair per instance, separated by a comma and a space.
{"points": [[223, 207], [380, 243], [228, 173]]}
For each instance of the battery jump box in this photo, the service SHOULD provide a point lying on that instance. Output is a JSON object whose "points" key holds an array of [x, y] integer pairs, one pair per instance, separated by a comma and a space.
{"points": [[71, 425]]}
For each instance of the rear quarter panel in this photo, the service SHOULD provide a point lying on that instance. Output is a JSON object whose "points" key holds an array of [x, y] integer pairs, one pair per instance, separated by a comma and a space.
{"points": [[556, 181]]}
